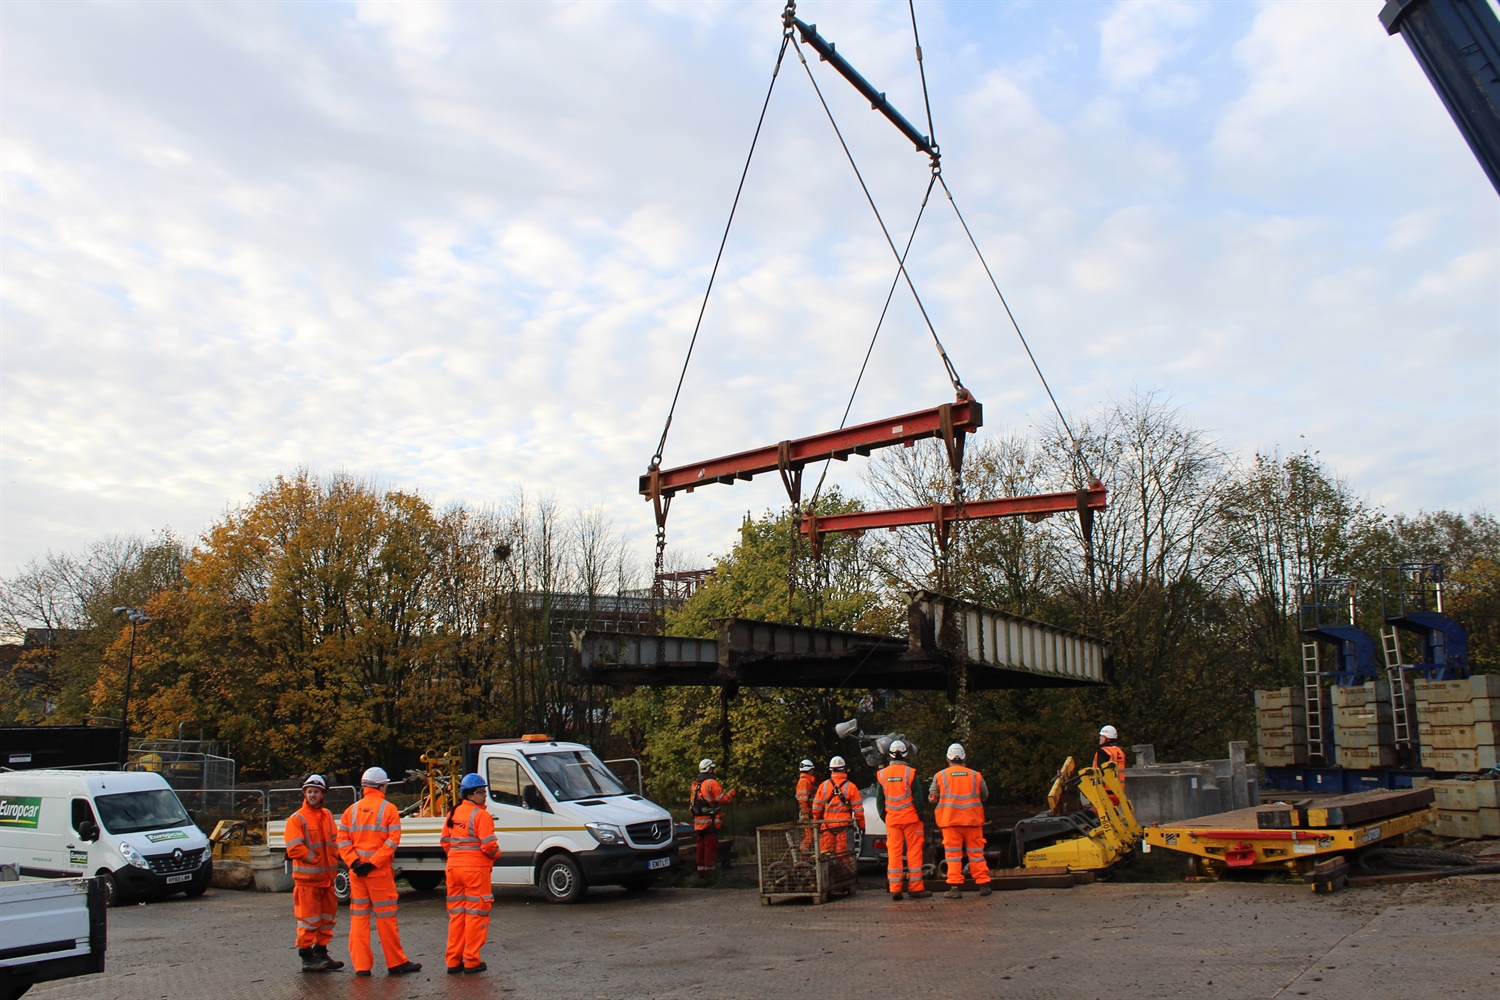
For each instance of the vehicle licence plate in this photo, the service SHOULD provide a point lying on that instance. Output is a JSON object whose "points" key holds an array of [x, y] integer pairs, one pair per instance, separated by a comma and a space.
{"points": [[658, 862], [178, 878]]}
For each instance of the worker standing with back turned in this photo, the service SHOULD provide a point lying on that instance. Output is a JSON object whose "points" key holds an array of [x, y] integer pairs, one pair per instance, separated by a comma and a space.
{"points": [[807, 786], [838, 804], [469, 841], [312, 843], [959, 793], [369, 833], [904, 834], [708, 800], [1110, 752]]}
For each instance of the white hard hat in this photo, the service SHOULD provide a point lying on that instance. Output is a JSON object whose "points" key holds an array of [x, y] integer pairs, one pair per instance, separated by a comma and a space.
{"points": [[1108, 732], [375, 776], [836, 764], [806, 765], [956, 751], [705, 764], [898, 747], [315, 781]]}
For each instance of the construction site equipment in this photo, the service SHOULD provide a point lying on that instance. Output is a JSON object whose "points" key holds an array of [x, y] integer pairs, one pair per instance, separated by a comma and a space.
{"points": [[1296, 837], [795, 863], [1089, 826], [439, 781]]}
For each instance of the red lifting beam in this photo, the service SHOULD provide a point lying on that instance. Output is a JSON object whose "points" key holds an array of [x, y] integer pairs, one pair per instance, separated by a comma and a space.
{"points": [[941, 515], [949, 422]]}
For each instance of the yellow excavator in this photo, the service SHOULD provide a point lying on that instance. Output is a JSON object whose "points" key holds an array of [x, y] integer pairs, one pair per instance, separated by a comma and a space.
{"points": [[1089, 825]]}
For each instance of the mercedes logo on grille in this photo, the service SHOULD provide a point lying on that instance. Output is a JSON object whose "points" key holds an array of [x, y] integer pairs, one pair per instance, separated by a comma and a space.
{"points": [[655, 831]]}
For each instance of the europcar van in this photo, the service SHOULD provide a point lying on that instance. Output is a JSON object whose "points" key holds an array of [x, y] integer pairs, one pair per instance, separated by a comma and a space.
{"points": [[127, 827]]}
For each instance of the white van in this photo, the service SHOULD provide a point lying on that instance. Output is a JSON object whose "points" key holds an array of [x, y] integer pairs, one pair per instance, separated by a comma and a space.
{"points": [[127, 827], [563, 820]]}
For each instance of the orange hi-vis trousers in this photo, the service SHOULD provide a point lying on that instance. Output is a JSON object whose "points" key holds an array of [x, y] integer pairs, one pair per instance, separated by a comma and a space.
{"points": [[317, 909], [470, 896], [374, 893], [965, 843], [903, 847]]}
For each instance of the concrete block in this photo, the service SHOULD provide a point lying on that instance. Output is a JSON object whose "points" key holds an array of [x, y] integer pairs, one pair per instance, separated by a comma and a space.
{"points": [[1465, 796], [1365, 758], [1276, 718], [1280, 698], [1168, 792], [1468, 824], [1478, 686], [1459, 737], [1291, 756], [1459, 713], [1362, 715], [1369, 736], [1360, 694], [1458, 761], [1285, 737]]}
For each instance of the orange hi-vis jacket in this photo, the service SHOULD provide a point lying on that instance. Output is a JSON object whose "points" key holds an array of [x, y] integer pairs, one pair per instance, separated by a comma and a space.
{"points": [[708, 797], [807, 783], [312, 841], [838, 801], [370, 830], [1114, 752], [959, 792], [469, 838], [895, 782]]}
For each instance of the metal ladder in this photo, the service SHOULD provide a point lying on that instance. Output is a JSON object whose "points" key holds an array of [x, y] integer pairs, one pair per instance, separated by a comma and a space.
{"points": [[1312, 698], [1390, 641]]}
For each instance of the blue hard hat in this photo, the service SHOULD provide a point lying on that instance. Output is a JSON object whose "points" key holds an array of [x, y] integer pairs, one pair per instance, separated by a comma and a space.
{"points": [[471, 782]]}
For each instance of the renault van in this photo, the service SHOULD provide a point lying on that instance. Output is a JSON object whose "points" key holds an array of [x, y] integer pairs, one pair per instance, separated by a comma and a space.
{"points": [[126, 827]]}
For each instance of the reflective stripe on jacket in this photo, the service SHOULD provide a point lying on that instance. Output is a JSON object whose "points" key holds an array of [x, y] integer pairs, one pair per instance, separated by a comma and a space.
{"points": [[959, 794], [838, 801], [707, 798], [807, 783], [896, 781], [469, 837], [370, 830], [312, 845]]}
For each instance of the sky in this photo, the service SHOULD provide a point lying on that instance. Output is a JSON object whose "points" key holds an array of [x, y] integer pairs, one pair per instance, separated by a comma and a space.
{"points": [[461, 248]]}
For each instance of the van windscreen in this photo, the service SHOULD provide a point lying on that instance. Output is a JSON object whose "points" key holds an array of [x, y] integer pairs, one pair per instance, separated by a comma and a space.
{"points": [[133, 812], [574, 774]]}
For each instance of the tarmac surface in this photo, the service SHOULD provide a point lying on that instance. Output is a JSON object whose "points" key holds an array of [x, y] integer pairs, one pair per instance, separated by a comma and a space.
{"points": [[1109, 940]]}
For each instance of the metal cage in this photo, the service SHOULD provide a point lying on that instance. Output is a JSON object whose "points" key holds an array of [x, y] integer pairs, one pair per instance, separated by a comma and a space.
{"points": [[797, 861]]}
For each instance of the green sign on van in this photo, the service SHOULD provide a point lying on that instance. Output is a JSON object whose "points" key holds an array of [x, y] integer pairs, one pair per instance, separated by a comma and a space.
{"points": [[20, 811]]}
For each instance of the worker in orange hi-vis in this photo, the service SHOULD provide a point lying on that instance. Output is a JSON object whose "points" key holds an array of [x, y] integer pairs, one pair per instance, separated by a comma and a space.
{"points": [[959, 792], [312, 842], [904, 834], [837, 803], [807, 785], [1110, 752], [469, 841], [369, 833], [708, 800]]}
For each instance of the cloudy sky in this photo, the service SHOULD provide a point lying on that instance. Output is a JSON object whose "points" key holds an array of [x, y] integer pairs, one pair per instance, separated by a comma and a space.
{"points": [[460, 248]]}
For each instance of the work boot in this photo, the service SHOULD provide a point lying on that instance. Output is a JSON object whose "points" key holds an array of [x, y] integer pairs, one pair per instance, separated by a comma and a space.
{"points": [[361, 972], [334, 964], [404, 969], [954, 893], [985, 889], [454, 970], [922, 894], [895, 897], [472, 969], [312, 961]]}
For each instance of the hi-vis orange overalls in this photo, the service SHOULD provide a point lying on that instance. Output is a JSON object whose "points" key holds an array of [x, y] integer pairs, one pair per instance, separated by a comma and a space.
{"points": [[312, 848], [708, 798], [469, 841], [959, 792], [370, 830], [904, 834], [1112, 752], [838, 803], [807, 784]]}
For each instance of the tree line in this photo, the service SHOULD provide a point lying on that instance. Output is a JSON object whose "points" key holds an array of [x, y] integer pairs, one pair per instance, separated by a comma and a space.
{"points": [[328, 623]]}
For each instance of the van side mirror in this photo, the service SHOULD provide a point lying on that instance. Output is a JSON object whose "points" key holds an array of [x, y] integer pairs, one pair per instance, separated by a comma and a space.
{"points": [[531, 798], [88, 830]]}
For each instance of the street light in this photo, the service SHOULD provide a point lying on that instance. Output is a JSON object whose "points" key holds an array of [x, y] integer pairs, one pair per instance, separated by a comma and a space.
{"points": [[136, 617]]}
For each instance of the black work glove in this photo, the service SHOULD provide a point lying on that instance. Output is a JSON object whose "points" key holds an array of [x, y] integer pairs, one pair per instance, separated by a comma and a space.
{"points": [[361, 868]]}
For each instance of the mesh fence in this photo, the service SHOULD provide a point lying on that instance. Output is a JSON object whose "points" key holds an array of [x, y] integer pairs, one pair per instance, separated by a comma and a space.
{"points": [[803, 860]]}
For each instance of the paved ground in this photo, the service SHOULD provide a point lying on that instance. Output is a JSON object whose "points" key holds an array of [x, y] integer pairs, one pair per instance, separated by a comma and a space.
{"points": [[1115, 941]]}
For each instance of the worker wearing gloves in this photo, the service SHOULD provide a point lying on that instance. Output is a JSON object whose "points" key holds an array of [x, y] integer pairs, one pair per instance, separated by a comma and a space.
{"points": [[959, 792], [904, 833], [838, 804], [369, 833], [807, 785], [469, 841], [312, 842], [708, 800]]}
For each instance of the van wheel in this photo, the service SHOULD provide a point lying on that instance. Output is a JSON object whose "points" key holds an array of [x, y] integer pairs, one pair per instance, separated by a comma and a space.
{"points": [[638, 883], [423, 881], [195, 891], [341, 884], [112, 895], [561, 879]]}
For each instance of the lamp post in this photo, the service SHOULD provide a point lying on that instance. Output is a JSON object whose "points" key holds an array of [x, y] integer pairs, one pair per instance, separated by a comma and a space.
{"points": [[136, 617]]}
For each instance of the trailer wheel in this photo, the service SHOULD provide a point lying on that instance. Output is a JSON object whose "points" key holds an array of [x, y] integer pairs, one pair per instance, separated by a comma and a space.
{"points": [[561, 880]]}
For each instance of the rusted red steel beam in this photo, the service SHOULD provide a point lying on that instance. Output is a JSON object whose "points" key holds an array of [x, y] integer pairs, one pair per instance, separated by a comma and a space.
{"points": [[943, 514], [963, 417]]}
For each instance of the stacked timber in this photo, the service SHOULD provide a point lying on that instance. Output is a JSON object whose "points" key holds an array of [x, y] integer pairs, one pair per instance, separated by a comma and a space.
{"points": [[1467, 809], [1457, 723], [1281, 727], [1363, 730]]}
